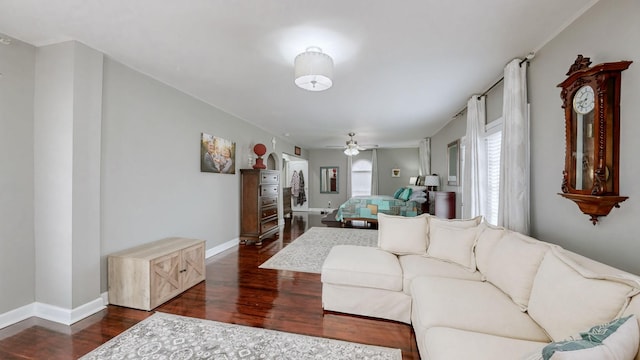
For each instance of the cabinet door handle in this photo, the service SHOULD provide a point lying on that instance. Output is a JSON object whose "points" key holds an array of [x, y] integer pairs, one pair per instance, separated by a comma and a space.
{"points": [[183, 270]]}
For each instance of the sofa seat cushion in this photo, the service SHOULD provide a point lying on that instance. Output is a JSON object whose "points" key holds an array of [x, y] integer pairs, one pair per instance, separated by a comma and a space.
{"points": [[469, 305], [362, 266], [378, 303], [568, 297], [414, 266], [442, 343]]}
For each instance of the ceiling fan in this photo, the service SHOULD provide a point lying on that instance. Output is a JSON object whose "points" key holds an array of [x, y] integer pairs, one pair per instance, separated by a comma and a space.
{"points": [[352, 148]]}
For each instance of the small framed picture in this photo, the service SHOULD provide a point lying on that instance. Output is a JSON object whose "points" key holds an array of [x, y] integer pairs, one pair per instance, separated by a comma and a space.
{"points": [[395, 172], [297, 150]]}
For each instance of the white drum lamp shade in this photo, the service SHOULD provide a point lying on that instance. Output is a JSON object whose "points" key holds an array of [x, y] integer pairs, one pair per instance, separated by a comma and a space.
{"points": [[432, 180], [313, 70]]}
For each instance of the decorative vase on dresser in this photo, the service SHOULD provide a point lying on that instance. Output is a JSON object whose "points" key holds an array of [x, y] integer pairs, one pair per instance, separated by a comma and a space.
{"points": [[259, 205]]}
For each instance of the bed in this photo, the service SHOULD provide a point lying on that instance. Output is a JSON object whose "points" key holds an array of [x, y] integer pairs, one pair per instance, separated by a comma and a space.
{"points": [[367, 208]]}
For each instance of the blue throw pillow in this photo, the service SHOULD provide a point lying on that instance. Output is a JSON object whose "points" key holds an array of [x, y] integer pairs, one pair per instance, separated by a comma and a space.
{"points": [[396, 194], [619, 336], [405, 195]]}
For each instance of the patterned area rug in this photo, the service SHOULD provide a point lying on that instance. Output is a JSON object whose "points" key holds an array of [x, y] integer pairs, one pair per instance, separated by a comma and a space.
{"points": [[307, 252], [165, 336]]}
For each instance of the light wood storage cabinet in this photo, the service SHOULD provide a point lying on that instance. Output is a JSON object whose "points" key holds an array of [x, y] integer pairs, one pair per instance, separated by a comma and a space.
{"points": [[259, 205], [146, 276]]}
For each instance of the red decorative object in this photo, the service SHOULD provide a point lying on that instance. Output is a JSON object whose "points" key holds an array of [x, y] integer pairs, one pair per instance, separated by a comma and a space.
{"points": [[260, 150]]}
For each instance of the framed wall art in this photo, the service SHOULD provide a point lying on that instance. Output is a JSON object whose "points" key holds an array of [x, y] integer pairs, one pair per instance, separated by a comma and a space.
{"points": [[217, 155]]}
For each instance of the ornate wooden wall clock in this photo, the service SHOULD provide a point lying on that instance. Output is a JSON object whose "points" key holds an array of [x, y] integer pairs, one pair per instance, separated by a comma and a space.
{"points": [[591, 103]]}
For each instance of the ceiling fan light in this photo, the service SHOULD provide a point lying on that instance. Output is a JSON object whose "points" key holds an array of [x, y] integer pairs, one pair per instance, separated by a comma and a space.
{"points": [[351, 151], [313, 70]]}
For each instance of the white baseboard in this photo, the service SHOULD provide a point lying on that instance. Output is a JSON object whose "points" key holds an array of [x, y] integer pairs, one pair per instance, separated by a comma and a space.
{"points": [[16, 315], [52, 312], [321, 210], [70, 316], [222, 247]]}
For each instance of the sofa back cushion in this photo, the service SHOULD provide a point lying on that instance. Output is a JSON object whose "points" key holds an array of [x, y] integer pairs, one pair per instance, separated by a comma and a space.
{"points": [[456, 223], [403, 235], [453, 242], [488, 237], [568, 297], [513, 264]]}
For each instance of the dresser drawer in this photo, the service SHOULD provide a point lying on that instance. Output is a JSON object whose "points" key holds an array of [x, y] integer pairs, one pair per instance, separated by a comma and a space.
{"points": [[268, 225], [269, 212], [268, 200], [269, 178], [269, 190]]}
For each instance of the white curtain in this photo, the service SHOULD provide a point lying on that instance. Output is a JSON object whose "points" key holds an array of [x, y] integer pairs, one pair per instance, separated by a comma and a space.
{"points": [[424, 154], [475, 160], [374, 172], [513, 211]]}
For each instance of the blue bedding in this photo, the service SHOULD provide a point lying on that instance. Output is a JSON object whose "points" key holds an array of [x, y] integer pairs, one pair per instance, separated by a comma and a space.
{"points": [[368, 208]]}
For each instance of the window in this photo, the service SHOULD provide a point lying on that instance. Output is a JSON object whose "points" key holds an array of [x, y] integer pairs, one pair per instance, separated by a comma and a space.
{"points": [[493, 143], [361, 177]]}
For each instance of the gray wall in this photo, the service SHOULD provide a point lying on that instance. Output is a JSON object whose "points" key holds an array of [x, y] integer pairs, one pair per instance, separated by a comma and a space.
{"points": [[608, 32], [67, 115], [17, 249], [152, 186], [326, 157], [149, 180], [405, 159], [454, 130]]}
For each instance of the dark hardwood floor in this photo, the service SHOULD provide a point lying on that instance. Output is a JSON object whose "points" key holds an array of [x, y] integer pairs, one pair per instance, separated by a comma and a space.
{"points": [[235, 291]]}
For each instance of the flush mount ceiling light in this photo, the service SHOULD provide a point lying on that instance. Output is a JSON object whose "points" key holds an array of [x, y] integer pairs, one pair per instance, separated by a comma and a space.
{"points": [[313, 70]]}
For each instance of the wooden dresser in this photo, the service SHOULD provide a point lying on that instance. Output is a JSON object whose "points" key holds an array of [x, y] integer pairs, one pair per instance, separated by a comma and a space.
{"points": [[148, 275], [258, 205], [445, 204]]}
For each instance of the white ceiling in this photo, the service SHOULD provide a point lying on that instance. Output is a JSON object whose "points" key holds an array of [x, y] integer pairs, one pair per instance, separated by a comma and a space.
{"points": [[402, 68]]}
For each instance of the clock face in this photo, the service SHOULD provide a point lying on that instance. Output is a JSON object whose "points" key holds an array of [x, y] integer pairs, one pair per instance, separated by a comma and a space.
{"points": [[583, 100]]}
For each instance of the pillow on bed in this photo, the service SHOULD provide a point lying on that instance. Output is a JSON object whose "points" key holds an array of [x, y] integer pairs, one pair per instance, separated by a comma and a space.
{"points": [[403, 235], [419, 200], [398, 192], [417, 194], [405, 195], [417, 188]]}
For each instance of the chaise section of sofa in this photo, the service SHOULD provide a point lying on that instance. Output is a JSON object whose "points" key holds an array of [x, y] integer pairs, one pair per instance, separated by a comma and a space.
{"points": [[364, 281], [474, 291]]}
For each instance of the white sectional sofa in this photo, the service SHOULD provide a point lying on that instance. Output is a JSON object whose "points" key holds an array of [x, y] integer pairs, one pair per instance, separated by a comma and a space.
{"points": [[473, 291]]}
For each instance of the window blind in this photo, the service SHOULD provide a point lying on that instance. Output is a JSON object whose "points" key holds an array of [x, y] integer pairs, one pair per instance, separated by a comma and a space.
{"points": [[493, 143]]}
